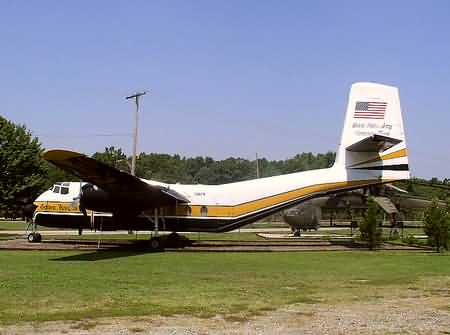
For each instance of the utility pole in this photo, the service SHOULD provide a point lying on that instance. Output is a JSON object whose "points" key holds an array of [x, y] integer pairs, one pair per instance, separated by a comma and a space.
{"points": [[136, 127], [257, 166]]}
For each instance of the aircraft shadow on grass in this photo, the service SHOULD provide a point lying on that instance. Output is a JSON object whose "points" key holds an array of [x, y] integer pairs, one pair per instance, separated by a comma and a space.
{"points": [[108, 253]]}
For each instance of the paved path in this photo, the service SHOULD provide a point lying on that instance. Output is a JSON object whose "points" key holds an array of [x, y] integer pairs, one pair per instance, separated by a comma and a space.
{"points": [[64, 232]]}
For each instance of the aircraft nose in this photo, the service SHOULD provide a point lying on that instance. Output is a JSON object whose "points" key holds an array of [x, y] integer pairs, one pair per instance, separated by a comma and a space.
{"points": [[43, 196]]}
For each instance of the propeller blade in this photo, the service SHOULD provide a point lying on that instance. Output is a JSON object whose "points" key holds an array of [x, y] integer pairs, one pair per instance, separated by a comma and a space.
{"points": [[78, 202]]}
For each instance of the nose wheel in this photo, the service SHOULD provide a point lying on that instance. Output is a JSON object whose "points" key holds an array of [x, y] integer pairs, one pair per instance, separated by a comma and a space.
{"points": [[34, 237]]}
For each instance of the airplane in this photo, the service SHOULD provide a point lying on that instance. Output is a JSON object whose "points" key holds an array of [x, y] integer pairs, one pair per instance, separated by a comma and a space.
{"points": [[372, 151]]}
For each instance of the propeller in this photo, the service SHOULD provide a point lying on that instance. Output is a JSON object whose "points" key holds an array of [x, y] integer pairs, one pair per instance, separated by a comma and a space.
{"points": [[78, 201]]}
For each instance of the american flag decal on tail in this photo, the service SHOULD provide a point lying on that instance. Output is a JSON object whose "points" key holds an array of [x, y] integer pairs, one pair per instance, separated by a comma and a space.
{"points": [[370, 110]]}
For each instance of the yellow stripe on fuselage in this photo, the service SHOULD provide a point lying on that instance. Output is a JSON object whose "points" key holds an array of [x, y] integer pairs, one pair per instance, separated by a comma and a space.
{"points": [[392, 155], [56, 206], [260, 204]]}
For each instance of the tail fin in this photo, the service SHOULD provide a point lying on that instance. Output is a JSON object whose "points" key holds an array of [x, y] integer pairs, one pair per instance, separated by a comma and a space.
{"points": [[373, 138]]}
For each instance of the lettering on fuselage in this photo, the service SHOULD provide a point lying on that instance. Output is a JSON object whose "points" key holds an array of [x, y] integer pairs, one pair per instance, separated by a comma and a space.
{"points": [[56, 207], [366, 129]]}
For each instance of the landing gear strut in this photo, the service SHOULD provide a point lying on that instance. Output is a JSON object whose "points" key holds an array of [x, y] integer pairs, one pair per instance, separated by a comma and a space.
{"points": [[156, 242], [297, 232]]}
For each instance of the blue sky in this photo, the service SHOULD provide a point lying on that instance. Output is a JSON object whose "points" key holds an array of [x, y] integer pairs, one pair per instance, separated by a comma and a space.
{"points": [[226, 78]]}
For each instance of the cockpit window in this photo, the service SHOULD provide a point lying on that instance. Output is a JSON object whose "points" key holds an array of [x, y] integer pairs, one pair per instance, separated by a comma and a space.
{"points": [[62, 188]]}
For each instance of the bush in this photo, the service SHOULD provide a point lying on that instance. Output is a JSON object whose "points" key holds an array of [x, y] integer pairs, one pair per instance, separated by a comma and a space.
{"points": [[369, 227], [394, 236], [437, 226], [410, 240]]}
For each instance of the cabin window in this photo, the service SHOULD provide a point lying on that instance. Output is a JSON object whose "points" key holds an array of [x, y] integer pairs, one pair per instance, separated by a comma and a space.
{"points": [[56, 189], [64, 190], [204, 211]]}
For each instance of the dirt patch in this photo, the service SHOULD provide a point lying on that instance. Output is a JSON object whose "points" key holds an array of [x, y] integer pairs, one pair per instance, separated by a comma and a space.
{"points": [[410, 315]]}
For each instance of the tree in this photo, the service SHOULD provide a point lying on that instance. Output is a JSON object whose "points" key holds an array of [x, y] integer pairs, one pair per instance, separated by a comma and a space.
{"points": [[437, 225], [22, 171], [410, 188], [369, 227], [55, 174], [205, 170], [113, 157]]}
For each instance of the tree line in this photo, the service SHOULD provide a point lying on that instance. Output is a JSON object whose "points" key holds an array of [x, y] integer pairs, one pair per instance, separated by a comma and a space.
{"points": [[24, 174], [206, 170]]}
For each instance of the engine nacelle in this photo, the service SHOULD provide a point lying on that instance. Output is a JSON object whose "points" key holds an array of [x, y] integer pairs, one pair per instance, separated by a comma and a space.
{"points": [[96, 199]]}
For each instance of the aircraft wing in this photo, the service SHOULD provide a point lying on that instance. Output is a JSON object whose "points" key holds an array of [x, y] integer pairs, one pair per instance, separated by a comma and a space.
{"points": [[117, 183]]}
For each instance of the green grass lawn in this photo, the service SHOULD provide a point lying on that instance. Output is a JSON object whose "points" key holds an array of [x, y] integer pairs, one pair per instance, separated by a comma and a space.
{"points": [[41, 285], [19, 225], [12, 225], [4, 237]]}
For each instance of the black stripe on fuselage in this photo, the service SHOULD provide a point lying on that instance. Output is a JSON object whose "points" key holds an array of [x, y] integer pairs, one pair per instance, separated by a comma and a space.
{"points": [[397, 167]]}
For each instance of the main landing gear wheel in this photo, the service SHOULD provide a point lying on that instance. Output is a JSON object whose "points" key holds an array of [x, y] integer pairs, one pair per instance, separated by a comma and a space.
{"points": [[156, 243], [34, 237]]}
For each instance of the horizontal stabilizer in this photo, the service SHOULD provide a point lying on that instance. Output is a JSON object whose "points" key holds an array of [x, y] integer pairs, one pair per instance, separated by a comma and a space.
{"points": [[374, 143]]}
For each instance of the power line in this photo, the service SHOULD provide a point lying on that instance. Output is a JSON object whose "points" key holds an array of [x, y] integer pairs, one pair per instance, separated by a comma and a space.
{"points": [[83, 135]]}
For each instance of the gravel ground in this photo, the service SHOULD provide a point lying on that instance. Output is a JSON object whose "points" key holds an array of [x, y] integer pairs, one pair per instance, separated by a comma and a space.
{"points": [[410, 315]]}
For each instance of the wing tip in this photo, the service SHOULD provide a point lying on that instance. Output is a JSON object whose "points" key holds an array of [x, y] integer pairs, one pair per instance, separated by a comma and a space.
{"points": [[60, 155]]}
